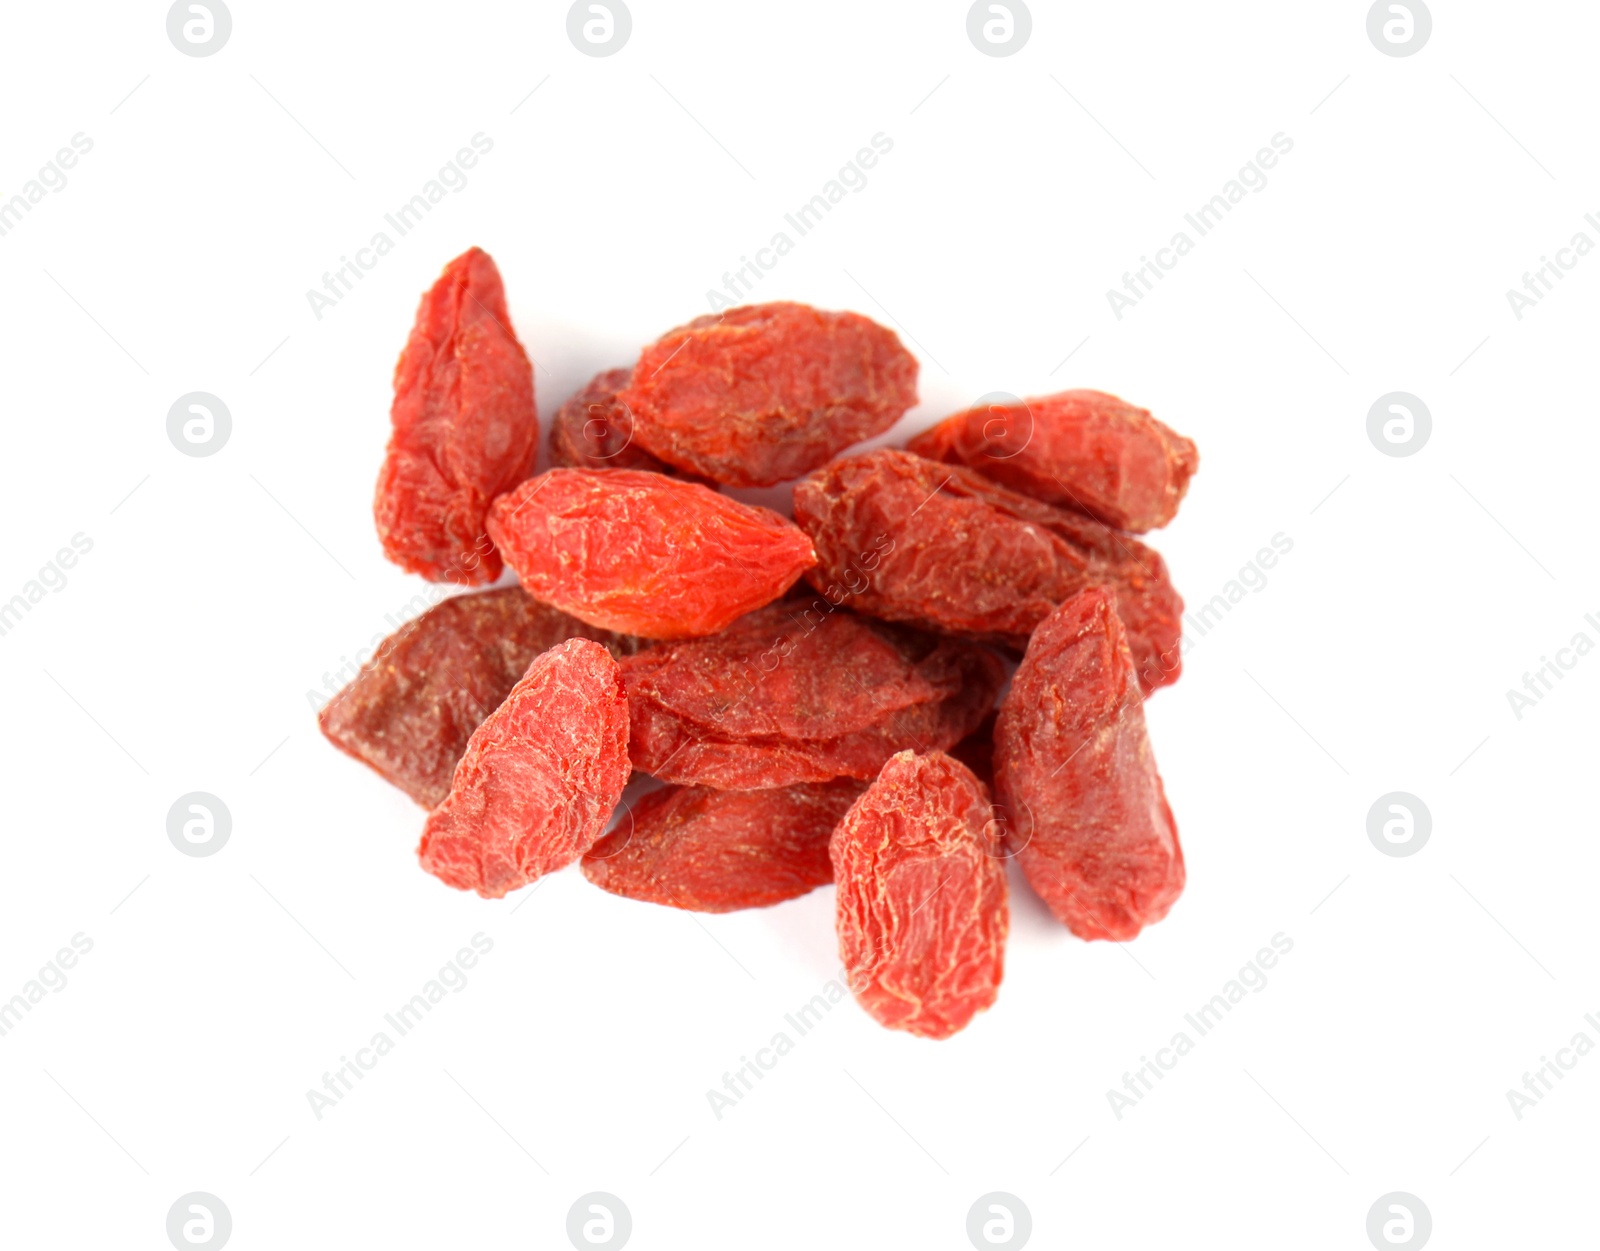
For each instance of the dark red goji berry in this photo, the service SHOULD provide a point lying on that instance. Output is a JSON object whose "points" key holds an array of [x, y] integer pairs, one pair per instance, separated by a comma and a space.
{"points": [[790, 694], [1076, 783], [941, 546], [976, 751], [411, 710], [717, 851]]}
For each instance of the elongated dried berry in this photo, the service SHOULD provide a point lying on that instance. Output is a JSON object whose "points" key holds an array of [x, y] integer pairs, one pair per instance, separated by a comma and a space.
{"points": [[645, 554], [767, 392], [594, 430], [796, 693], [941, 546], [1076, 782], [717, 851], [540, 777], [412, 708], [921, 896], [465, 428], [1082, 450]]}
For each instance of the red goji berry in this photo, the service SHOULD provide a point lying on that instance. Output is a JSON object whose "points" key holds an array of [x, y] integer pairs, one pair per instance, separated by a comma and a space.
{"points": [[411, 710], [941, 546], [1083, 450], [594, 430], [767, 392], [717, 851], [465, 428], [539, 779], [643, 553], [976, 751], [1075, 779], [922, 912], [790, 694]]}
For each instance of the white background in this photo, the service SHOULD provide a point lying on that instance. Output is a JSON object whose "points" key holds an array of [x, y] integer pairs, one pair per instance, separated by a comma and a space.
{"points": [[180, 653]]}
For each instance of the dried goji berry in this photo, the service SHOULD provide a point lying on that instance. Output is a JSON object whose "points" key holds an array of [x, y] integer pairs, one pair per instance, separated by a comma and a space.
{"points": [[410, 711], [1083, 450], [793, 694], [717, 851], [645, 554], [539, 779], [941, 546], [594, 430], [766, 392], [921, 896], [465, 427], [1076, 782]]}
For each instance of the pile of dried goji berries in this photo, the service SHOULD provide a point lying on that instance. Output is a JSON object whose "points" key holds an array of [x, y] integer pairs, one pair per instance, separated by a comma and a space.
{"points": [[818, 696]]}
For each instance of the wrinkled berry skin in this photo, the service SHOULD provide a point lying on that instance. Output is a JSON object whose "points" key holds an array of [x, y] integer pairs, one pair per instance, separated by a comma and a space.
{"points": [[411, 710], [465, 428], [1075, 780], [941, 546], [594, 430], [645, 554], [707, 850], [539, 779], [1081, 450], [795, 693], [764, 393], [922, 913]]}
